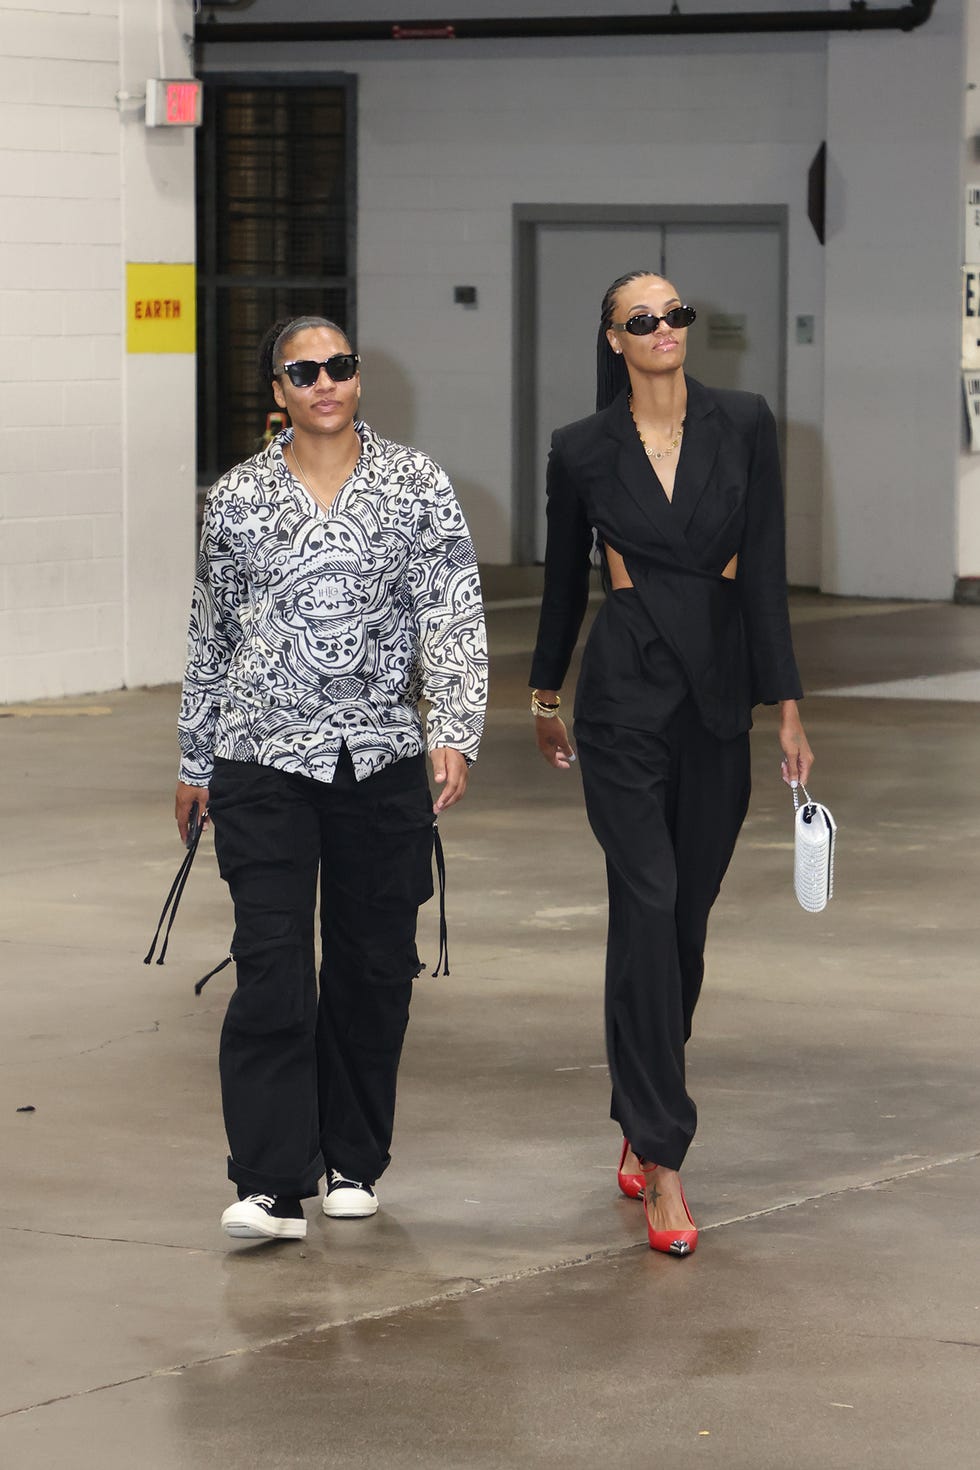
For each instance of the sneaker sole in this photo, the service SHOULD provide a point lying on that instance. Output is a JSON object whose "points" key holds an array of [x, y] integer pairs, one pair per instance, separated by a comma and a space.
{"points": [[349, 1212], [285, 1230]]}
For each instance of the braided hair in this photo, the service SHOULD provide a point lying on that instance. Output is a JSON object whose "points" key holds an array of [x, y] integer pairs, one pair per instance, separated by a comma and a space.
{"points": [[611, 376], [274, 343]]}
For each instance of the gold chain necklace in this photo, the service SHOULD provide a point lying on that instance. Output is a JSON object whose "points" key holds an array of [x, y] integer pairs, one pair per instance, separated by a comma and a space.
{"points": [[305, 477], [324, 505], [657, 454]]}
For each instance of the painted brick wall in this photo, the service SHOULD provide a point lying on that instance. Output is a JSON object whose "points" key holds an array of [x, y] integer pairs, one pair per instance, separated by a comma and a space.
{"points": [[60, 320], [96, 446]]}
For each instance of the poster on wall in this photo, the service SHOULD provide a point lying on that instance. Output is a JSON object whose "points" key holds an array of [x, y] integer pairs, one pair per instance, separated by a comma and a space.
{"points": [[160, 307], [971, 316], [971, 233], [971, 392]]}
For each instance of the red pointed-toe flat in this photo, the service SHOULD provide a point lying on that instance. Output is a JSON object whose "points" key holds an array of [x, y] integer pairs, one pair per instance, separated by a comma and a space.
{"points": [[630, 1184], [671, 1242]]}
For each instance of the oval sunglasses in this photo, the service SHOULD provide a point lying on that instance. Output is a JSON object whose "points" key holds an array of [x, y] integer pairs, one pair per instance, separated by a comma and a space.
{"points": [[645, 322], [339, 369]]}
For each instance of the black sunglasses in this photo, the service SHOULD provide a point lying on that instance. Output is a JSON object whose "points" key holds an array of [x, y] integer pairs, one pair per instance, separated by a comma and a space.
{"points": [[339, 369], [643, 325]]}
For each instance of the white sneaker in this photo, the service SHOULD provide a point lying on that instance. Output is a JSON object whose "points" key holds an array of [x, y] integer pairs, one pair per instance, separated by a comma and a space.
{"points": [[348, 1199], [265, 1217]]}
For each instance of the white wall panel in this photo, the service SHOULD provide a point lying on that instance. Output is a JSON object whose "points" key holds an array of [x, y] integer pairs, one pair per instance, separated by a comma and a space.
{"points": [[50, 29], [158, 443], [90, 130]]}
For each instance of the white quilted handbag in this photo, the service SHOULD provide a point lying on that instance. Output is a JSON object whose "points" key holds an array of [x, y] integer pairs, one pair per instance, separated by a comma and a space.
{"points": [[813, 857]]}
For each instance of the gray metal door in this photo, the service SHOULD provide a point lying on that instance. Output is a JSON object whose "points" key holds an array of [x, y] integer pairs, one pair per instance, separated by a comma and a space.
{"points": [[732, 272], [575, 265]]}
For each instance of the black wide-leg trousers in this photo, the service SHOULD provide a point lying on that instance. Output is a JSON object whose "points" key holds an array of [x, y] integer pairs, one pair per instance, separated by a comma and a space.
{"points": [[666, 809], [308, 1074]]}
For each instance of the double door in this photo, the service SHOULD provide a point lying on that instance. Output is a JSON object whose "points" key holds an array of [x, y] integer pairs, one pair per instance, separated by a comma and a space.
{"points": [[732, 271]]}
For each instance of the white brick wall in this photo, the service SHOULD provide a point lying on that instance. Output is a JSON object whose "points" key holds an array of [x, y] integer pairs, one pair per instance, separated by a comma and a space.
{"points": [[87, 479], [60, 326]]}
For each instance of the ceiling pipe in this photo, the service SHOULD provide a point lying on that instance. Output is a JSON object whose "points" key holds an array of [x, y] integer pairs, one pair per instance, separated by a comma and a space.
{"points": [[858, 17]]}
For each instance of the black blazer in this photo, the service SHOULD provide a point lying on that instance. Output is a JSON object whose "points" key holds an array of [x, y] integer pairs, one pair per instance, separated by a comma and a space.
{"points": [[731, 638]]}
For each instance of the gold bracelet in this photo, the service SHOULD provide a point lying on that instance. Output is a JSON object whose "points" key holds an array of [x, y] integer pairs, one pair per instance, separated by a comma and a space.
{"points": [[544, 711]]}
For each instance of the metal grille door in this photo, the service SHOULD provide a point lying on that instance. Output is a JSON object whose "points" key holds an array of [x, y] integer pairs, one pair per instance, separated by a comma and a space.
{"points": [[275, 218]]}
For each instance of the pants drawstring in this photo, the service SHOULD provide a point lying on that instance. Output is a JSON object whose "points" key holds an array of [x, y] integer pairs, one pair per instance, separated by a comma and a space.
{"points": [[217, 969], [443, 957], [173, 899]]}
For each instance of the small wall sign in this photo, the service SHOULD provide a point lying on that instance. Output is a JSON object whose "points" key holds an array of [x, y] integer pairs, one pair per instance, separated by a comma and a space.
{"points": [[726, 332], [971, 233], [161, 302], [971, 316], [971, 392], [174, 102]]}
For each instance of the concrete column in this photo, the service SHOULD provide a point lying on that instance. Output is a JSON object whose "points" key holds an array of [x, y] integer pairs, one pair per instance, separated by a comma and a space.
{"points": [[892, 414], [158, 391]]}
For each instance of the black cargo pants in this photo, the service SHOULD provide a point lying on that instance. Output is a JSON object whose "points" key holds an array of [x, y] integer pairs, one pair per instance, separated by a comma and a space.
{"points": [[308, 1077]]}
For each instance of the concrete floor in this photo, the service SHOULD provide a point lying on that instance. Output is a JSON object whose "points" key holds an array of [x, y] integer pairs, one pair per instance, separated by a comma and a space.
{"points": [[503, 1308]]}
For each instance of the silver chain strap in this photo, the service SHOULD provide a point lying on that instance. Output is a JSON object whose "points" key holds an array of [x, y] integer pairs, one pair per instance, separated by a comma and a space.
{"points": [[797, 788]]}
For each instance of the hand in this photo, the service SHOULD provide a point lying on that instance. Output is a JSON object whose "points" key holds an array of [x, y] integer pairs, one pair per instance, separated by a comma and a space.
{"points": [[553, 741], [797, 755], [186, 797], [451, 773]]}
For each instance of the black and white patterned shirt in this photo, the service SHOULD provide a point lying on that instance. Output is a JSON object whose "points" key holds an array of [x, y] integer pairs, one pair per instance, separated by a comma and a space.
{"points": [[311, 628]]}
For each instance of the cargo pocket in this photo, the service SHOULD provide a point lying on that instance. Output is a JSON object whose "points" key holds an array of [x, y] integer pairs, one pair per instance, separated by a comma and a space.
{"points": [[403, 838], [400, 880], [276, 989]]}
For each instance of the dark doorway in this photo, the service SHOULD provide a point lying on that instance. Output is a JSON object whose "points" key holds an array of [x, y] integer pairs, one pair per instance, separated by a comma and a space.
{"points": [[275, 238]]}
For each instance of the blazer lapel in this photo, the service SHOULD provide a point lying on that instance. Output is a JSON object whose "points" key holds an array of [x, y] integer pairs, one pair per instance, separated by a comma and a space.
{"points": [[636, 474], [699, 450]]}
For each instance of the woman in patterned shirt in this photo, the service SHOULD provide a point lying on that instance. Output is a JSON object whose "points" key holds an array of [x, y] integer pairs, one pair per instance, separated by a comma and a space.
{"points": [[337, 585]]}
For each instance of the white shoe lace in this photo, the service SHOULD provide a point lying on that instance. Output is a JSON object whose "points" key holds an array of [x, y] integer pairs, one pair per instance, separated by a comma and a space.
{"points": [[338, 1178], [268, 1200]]}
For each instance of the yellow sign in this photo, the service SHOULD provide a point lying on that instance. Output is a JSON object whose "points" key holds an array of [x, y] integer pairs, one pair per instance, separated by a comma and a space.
{"points": [[160, 308]]}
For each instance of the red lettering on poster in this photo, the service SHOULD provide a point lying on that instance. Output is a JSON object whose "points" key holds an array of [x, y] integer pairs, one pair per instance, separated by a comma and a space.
{"points": [[165, 309]]}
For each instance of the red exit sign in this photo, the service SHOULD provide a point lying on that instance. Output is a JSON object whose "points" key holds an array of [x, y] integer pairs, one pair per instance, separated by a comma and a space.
{"points": [[173, 103]]}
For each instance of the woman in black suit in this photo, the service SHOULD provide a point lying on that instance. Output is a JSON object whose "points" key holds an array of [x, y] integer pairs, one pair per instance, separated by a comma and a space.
{"points": [[679, 488]]}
